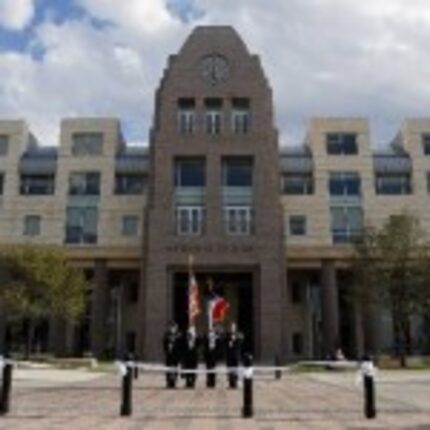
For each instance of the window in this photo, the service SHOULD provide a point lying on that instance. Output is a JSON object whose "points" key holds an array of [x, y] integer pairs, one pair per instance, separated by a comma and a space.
{"points": [[297, 225], [1, 183], [296, 292], [31, 225], [297, 343], [240, 115], [190, 173], [213, 116], [237, 172], [341, 144], [189, 220], [238, 220], [84, 183], [36, 185], [87, 144], [130, 225], [81, 225], [428, 182], [296, 184], [130, 183], [393, 183], [186, 115], [426, 143], [346, 223], [344, 184], [4, 144]]}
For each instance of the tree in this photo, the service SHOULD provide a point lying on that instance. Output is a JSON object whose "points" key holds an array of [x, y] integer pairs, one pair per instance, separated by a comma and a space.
{"points": [[392, 267], [37, 282]]}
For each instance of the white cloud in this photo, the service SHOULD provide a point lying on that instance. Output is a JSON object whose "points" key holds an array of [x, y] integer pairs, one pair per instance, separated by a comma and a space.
{"points": [[322, 57], [145, 16], [16, 14]]}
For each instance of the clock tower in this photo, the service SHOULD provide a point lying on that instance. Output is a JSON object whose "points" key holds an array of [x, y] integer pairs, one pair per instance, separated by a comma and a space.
{"points": [[214, 193]]}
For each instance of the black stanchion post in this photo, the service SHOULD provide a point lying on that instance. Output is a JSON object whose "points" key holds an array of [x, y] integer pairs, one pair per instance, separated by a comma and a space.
{"points": [[6, 389], [368, 374], [248, 407], [369, 396], [126, 394], [278, 373]]}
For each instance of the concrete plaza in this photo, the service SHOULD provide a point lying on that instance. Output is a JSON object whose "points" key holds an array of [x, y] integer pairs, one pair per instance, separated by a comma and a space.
{"points": [[45, 399]]}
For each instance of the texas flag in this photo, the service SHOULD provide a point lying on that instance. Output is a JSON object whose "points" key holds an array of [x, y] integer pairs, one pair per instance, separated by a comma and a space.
{"points": [[217, 310], [193, 299]]}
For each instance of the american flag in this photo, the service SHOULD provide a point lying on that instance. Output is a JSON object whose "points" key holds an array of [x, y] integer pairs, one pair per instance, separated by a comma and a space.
{"points": [[193, 299]]}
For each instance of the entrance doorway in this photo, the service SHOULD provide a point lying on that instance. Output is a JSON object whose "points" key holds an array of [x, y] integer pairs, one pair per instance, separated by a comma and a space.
{"points": [[236, 288]]}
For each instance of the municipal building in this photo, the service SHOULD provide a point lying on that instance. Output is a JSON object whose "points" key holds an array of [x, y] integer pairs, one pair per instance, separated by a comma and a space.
{"points": [[270, 227]]}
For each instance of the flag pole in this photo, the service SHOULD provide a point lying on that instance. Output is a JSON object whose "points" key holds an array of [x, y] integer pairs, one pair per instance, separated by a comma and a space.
{"points": [[190, 274], [209, 306]]}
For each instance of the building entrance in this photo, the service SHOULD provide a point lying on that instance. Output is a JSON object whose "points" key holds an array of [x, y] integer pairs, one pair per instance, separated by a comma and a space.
{"points": [[236, 288]]}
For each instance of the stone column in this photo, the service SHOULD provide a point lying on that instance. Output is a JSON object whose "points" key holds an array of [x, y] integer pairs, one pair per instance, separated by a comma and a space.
{"points": [[156, 312], [99, 309], [330, 308], [272, 308]]}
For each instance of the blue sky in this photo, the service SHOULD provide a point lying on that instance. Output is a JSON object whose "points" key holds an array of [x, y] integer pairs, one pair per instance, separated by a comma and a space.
{"points": [[322, 57]]}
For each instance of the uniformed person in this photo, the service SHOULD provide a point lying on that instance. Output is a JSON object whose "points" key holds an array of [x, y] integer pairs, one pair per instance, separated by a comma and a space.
{"points": [[190, 356], [172, 347], [211, 353], [233, 347]]}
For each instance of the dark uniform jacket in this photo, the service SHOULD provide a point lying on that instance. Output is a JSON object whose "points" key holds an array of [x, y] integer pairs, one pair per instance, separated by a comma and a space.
{"points": [[190, 348], [172, 348], [211, 349], [233, 349]]}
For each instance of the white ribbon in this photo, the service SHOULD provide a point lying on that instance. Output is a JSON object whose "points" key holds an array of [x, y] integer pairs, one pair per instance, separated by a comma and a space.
{"points": [[367, 368], [122, 368]]}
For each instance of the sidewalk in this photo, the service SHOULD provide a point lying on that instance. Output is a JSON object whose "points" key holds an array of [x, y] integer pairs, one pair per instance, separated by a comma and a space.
{"points": [[54, 399]]}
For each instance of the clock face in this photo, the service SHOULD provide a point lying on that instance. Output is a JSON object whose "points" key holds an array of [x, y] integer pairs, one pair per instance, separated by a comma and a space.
{"points": [[215, 68]]}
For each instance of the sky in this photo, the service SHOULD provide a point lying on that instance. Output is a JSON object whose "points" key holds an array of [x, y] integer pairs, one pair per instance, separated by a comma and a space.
{"points": [[67, 58]]}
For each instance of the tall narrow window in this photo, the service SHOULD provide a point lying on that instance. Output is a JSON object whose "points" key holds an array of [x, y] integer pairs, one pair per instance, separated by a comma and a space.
{"points": [[240, 115], [190, 182], [213, 116], [186, 115], [1, 183]]}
